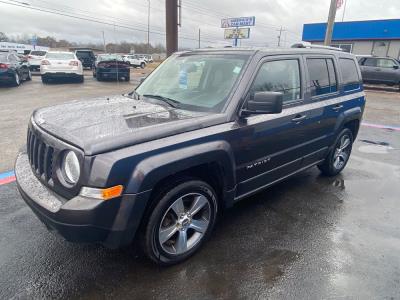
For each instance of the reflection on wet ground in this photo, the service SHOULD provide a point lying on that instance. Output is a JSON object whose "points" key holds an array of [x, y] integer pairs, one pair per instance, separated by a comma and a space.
{"points": [[308, 237]]}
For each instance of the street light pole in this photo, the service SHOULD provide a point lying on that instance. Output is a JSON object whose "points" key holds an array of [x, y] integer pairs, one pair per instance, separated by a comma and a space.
{"points": [[331, 21]]}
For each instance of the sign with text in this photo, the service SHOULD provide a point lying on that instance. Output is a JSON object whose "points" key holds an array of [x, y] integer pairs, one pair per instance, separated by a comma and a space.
{"points": [[237, 33], [238, 22]]}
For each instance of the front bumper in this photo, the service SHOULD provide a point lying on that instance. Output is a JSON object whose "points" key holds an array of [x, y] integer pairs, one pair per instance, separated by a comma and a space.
{"points": [[112, 223]]}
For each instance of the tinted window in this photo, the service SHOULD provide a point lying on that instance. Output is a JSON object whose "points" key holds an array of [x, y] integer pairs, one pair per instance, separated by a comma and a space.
{"points": [[385, 63], [322, 76], [350, 76], [370, 62], [279, 76], [38, 53]]}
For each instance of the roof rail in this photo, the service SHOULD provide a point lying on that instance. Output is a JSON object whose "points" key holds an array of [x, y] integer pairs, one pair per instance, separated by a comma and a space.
{"points": [[313, 46]]}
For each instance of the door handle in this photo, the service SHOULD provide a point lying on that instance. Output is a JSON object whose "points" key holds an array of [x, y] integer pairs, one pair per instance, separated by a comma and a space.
{"points": [[337, 107], [299, 118]]}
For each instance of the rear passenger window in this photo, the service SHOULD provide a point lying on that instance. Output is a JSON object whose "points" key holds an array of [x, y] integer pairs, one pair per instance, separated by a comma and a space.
{"points": [[370, 62], [323, 79], [279, 76], [351, 80]]}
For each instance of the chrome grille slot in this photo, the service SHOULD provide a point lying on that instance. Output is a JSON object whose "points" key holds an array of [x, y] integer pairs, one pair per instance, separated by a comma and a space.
{"points": [[40, 156]]}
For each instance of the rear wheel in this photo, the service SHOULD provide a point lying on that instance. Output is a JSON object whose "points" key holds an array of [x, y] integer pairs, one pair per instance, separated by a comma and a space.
{"points": [[142, 65], [81, 79], [45, 80], [17, 79], [339, 155], [29, 75], [180, 222], [128, 78]]}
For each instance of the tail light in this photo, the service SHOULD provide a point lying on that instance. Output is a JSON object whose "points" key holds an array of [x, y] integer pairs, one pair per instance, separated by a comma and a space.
{"points": [[45, 63], [4, 66], [74, 63], [30, 56]]}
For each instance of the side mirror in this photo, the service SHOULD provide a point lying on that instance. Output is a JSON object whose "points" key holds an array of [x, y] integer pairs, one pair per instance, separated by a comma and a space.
{"points": [[264, 103], [395, 67]]}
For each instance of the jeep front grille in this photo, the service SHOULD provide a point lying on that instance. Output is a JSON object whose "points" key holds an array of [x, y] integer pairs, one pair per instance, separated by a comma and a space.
{"points": [[40, 156]]}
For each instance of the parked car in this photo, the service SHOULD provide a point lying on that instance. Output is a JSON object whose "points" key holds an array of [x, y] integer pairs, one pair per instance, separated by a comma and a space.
{"points": [[61, 65], [149, 58], [111, 66], [13, 69], [206, 129], [86, 57], [135, 61], [380, 70], [35, 58]]}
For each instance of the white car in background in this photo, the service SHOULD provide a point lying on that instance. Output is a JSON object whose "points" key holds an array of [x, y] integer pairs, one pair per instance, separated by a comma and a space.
{"points": [[35, 58], [61, 65], [134, 60]]}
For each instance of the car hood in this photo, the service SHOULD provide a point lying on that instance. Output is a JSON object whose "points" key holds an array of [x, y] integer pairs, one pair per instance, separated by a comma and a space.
{"points": [[107, 123]]}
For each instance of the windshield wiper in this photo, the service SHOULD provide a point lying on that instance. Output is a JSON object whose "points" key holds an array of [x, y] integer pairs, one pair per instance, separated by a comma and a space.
{"points": [[133, 95], [169, 101]]}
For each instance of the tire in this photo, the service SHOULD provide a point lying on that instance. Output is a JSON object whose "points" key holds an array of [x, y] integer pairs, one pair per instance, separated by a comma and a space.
{"points": [[172, 247], [29, 76], [128, 78], [45, 80], [81, 79], [337, 160], [94, 74], [98, 77], [17, 80], [142, 65]]}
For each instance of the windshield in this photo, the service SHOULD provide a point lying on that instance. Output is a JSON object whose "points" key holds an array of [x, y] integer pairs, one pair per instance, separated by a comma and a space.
{"points": [[38, 53], [199, 82], [60, 56], [3, 57], [109, 57]]}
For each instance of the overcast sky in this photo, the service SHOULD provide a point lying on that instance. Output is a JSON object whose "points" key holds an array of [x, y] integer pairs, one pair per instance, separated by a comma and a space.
{"points": [[206, 15]]}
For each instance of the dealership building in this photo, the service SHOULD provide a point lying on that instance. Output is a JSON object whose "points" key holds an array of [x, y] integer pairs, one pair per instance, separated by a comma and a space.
{"points": [[373, 37]]}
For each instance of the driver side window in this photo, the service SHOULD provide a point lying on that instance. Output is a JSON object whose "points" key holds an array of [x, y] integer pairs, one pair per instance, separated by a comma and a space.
{"points": [[279, 76]]}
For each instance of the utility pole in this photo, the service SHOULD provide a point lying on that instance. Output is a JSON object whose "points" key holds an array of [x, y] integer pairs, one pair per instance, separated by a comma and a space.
{"points": [[199, 38], [171, 17], [331, 21], [280, 36], [148, 27], [104, 43]]}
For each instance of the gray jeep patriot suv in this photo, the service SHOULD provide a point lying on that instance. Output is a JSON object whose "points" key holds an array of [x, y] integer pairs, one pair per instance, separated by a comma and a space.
{"points": [[206, 129]]}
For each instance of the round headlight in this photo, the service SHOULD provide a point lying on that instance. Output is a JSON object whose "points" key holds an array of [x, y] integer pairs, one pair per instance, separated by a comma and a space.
{"points": [[71, 167]]}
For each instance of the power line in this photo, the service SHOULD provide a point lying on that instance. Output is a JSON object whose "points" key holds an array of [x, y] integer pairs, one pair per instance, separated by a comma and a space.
{"points": [[95, 20]]}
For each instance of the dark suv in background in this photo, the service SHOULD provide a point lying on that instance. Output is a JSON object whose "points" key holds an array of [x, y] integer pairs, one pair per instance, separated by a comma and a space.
{"points": [[87, 58], [380, 70], [205, 129]]}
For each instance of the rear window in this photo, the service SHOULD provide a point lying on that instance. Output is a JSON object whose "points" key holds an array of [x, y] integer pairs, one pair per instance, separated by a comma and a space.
{"points": [[322, 76], [351, 79], [84, 54], [109, 57], [38, 53], [61, 56]]}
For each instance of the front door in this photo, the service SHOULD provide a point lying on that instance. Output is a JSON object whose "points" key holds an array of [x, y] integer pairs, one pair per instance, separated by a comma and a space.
{"points": [[270, 146]]}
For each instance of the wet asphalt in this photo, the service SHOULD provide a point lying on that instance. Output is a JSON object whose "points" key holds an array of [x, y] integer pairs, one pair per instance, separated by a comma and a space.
{"points": [[310, 237]]}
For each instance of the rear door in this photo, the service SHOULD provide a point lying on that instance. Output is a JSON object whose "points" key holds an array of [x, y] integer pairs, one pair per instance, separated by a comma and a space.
{"points": [[323, 111], [369, 69], [269, 147]]}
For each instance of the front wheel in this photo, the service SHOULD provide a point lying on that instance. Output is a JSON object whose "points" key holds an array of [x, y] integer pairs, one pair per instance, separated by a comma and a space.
{"points": [[142, 65], [339, 155], [29, 75], [180, 222]]}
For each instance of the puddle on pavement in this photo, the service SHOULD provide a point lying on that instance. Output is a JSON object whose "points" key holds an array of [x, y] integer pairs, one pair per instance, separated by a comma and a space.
{"points": [[373, 147]]}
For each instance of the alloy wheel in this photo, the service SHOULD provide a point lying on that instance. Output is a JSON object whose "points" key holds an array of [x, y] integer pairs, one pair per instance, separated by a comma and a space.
{"points": [[342, 152], [185, 223], [17, 80]]}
